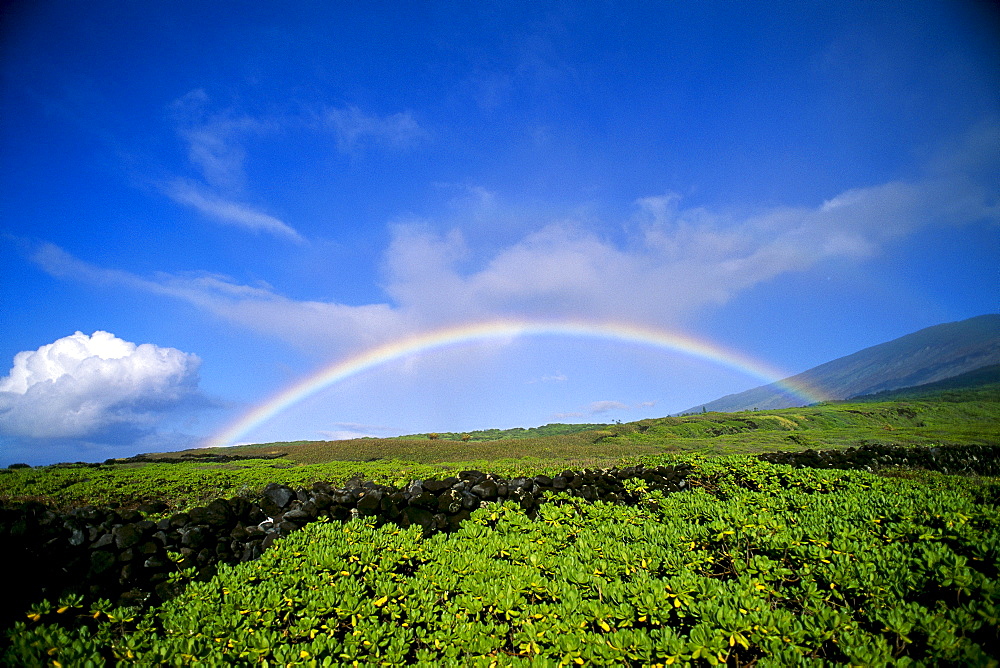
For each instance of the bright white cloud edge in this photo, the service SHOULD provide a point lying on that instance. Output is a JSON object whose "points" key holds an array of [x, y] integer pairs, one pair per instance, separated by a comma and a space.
{"points": [[82, 386]]}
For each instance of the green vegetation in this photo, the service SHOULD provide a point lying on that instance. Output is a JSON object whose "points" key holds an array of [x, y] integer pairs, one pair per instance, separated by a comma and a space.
{"points": [[756, 564], [843, 424], [983, 384], [517, 452], [556, 429]]}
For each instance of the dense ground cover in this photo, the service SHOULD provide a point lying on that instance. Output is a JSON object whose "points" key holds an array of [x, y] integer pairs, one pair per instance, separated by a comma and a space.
{"points": [[758, 564]]}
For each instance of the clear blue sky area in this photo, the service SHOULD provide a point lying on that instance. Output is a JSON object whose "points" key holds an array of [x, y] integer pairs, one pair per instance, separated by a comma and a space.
{"points": [[223, 198]]}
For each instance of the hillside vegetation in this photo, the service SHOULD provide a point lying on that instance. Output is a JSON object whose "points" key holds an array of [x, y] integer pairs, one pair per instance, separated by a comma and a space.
{"points": [[979, 385], [196, 477], [915, 423]]}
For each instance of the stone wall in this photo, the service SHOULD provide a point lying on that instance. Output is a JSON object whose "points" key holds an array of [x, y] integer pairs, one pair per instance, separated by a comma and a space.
{"points": [[950, 459], [124, 557]]}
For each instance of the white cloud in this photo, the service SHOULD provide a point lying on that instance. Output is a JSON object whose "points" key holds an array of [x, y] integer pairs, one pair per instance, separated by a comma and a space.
{"points": [[322, 326], [598, 407], [601, 407], [226, 211], [672, 263], [354, 128], [557, 377], [344, 435], [87, 386], [347, 430], [215, 150]]}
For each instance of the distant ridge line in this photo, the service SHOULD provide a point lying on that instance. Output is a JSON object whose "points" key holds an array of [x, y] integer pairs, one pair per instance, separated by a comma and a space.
{"points": [[928, 355]]}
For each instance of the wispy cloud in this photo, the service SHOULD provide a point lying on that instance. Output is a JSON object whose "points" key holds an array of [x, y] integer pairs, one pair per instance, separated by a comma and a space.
{"points": [[599, 407], [216, 152], [347, 430], [557, 377], [228, 212], [673, 263], [320, 326], [354, 129]]}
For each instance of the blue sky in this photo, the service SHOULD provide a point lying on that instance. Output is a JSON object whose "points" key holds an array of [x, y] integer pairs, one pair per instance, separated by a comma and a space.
{"points": [[239, 194]]}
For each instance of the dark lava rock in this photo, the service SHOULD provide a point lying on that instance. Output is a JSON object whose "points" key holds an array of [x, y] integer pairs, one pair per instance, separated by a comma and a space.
{"points": [[470, 501], [268, 540], [370, 502], [127, 535], [279, 495], [543, 481], [518, 483], [419, 516], [436, 486], [299, 517], [106, 540], [156, 562], [486, 490], [195, 537], [456, 520], [310, 509], [450, 502], [101, 561], [424, 500]]}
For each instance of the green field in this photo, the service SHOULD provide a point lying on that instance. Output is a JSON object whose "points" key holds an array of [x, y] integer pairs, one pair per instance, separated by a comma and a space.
{"points": [[756, 564], [512, 452]]}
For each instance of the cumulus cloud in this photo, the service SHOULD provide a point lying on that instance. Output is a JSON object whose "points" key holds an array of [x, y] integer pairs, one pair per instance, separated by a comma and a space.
{"points": [[87, 387], [354, 129]]}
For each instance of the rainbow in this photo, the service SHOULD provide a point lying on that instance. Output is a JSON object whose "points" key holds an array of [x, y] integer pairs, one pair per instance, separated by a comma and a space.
{"points": [[502, 329]]}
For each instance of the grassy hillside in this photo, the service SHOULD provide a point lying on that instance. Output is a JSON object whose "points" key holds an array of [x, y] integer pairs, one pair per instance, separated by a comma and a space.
{"points": [[823, 426], [979, 385], [517, 452]]}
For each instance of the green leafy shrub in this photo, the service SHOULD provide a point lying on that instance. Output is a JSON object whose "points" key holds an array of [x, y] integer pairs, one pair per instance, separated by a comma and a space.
{"points": [[758, 563]]}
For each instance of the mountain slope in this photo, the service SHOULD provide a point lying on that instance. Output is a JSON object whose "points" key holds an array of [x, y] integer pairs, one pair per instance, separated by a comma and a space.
{"points": [[926, 356], [982, 384]]}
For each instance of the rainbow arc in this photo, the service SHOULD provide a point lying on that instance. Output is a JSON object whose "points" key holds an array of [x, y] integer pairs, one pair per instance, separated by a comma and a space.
{"points": [[457, 335]]}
